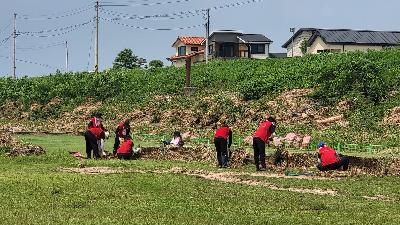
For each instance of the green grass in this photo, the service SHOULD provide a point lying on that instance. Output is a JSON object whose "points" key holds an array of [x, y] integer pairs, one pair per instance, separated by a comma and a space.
{"points": [[33, 191]]}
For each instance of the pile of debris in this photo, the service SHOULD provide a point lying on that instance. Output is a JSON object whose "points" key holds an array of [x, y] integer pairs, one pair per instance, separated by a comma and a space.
{"points": [[16, 148], [280, 161]]}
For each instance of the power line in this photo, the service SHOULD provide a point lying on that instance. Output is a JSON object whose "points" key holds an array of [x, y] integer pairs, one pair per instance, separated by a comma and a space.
{"points": [[148, 28], [55, 35], [57, 15], [5, 40], [159, 3], [55, 29], [39, 47], [7, 26], [230, 5], [178, 15], [30, 62]]}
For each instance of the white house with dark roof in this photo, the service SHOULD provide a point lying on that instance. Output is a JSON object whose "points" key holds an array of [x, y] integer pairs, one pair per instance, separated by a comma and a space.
{"points": [[313, 41]]}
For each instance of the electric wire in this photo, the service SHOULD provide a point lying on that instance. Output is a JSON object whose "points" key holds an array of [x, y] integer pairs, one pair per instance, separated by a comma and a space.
{"points": [[236, 4], [57, 16], [8, 25], [178, 15], [55, 35], [5, 40], [148, 28], [30, 62], [55, 29], [158, 3]]}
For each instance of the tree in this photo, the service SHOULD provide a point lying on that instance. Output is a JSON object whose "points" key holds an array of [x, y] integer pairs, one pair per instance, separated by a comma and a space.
{"points": [[156, 64], [303, 46], [126, 59]]}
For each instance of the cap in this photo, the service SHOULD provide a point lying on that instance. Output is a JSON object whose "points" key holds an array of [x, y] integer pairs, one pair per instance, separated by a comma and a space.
{"points": [[321, 144]]}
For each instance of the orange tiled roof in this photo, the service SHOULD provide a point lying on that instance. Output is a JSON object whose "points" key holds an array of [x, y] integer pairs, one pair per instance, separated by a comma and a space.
{"points": [[192, 40]]}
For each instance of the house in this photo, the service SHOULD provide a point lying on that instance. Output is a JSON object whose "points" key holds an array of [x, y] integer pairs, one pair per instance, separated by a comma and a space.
{"points": [[234, 44], [187, 46], [313, 41]]}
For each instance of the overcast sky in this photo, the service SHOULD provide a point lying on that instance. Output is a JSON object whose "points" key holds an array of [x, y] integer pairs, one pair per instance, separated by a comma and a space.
{"points": [[272, 18]]}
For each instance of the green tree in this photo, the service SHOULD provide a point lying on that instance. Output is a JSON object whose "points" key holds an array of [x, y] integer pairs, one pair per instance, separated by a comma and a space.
{"points": [[156, 64], [303, 46], [126, 59]]}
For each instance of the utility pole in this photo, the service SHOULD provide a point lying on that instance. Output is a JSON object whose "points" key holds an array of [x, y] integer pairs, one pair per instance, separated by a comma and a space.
{"points": [[14, 46], [96, 63], [207, 34], [97, 7], [66, 56]]}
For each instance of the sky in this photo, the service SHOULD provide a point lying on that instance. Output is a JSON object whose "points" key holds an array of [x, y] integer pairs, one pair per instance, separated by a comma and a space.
{"points": [[43, 26]]}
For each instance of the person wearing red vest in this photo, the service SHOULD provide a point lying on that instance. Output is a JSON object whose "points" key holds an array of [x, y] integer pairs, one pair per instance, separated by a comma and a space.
{"points": [[123, 129], [222, 141], [96, 121], [260, 138], [92, 136], [329, 159], [125, 151]]}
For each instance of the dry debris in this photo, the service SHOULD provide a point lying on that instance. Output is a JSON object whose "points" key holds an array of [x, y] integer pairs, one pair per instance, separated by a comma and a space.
{"points": [[17, 148]]}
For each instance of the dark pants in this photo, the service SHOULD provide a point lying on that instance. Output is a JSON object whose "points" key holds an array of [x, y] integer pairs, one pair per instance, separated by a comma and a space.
{"points": [[221, 146], [259, 153], [344, 161], [91, 144], [126, 156], [116, 143]]}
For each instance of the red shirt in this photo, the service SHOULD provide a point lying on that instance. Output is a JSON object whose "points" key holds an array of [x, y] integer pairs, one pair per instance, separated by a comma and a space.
{"points": [[97, 132], [262, 131], [328, 156], [126, 147], [222, 132]]}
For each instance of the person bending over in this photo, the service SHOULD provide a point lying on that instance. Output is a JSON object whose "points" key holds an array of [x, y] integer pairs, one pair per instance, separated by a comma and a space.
{"points": [[329, 159], [222, 141], [125, 151], [260, 138]]}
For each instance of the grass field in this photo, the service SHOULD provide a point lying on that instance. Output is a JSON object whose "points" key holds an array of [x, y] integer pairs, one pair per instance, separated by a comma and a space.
{"points": [[35, 191]]}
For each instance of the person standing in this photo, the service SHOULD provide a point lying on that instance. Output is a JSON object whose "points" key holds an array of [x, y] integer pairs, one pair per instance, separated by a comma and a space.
{"points": [[222, 141], [96, 122], [329, 159], [123, 130], [260, 138], [92, 136]]}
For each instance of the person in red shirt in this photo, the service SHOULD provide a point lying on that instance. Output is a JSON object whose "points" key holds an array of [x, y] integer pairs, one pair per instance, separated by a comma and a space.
{"points": [[96, 121], [260, 138], [123, 129], [329, 159], [222, 141], [92, 136], [125, 151]]}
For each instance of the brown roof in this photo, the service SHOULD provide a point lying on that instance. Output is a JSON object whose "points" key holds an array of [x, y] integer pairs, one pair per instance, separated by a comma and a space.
{"points": [[187, 40]]}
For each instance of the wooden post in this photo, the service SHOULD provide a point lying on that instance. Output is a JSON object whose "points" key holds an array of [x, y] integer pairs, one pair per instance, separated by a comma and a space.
{"points": [[188, 68]]}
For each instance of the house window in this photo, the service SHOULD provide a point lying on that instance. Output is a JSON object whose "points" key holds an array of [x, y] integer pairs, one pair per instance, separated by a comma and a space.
{"points": [[210, 49], [257, 48], [182, 50], [194, 49]]}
